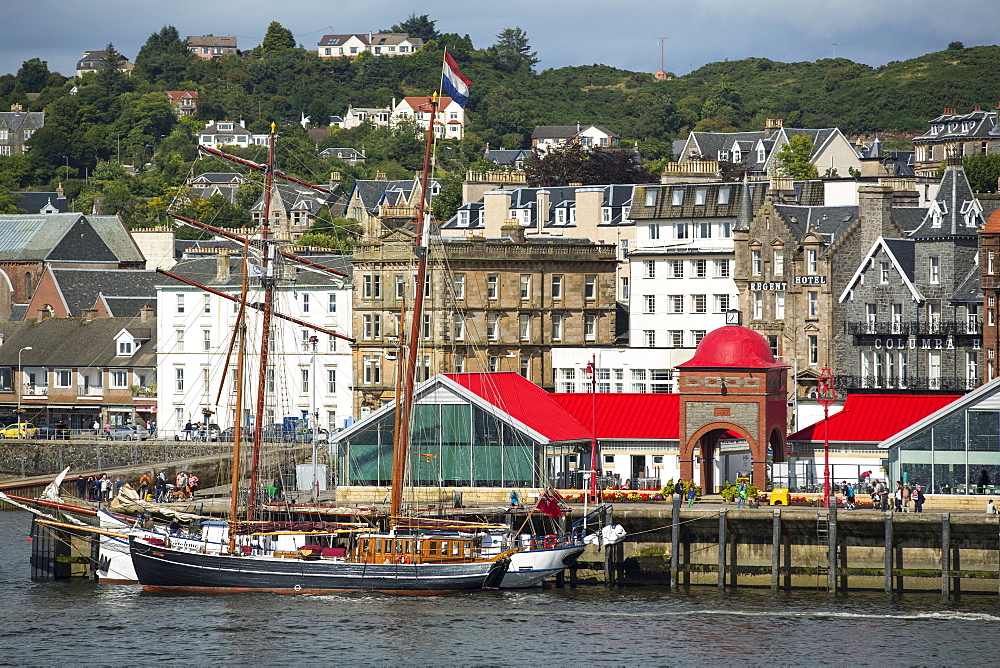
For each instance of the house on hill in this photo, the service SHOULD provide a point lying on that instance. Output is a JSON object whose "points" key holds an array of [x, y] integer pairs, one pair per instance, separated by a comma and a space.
{"points": [[16, 128], [210, 46], [546, 137], [92, 61], [953, 135], [183, 102], [352, 45], [449, 120], [42, 202]]}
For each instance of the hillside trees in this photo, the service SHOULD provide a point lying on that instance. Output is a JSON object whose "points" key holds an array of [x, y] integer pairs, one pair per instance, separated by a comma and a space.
{"points": [[983, 171], [164, 58], [512, 53], [417, 26], [573, 163], [277, 39]]}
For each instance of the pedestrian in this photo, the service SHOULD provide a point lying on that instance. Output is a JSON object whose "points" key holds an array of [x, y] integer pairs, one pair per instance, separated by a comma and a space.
{"points": [[741, 495], [97, 428], [279, 488], [849, 496], [81, 487], [898, 496], [679, 489], [990, 508], [144, 481], [883, 495], [161, 486], [119, 483], [152, 429], [182, 481], [92, 488], [105, 488], [515, 499], [107, 430], [193, 484], [906, 494], [188, 429], [875, 499], [918, 499], [692, 492]]}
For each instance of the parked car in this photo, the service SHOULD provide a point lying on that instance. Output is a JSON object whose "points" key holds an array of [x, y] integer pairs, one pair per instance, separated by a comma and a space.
{"points": [[273, 433], [52, 431], [18, 430], [128, 432]]}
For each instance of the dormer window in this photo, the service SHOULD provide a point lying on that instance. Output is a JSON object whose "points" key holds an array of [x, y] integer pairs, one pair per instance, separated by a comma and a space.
{"points": [[723, 155], [225, 126], [125, 348], [761, 154]]}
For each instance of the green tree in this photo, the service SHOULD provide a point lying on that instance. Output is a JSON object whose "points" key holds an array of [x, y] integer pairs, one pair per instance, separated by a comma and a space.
{"points": [[109, 77], [576, 164], [955, 46], [982, 170], [164, 58], [447, 201], [417, 26], [794, 158], [277, 39], [33, 75], [9, 203], [331, 232], [512, 52]]}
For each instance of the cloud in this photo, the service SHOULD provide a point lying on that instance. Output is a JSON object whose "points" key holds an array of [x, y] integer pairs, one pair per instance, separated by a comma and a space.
{"points": [[564, 33]]}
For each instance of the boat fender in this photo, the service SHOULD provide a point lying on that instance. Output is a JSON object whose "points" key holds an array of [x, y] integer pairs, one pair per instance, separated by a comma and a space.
{"points": [[298, 587]]}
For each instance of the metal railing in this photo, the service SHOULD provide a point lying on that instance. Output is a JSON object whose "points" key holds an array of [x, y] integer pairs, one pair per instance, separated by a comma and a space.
{"points": [[933, 326], [847, 382]]}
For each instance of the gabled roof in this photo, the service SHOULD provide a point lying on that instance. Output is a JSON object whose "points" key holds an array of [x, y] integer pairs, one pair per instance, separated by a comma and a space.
{"points": [[81, 288], [73, 342], [34, 202], [901, 254], [415, 102], [953, 202], [506, 157], [970, 288], [626, 416], [210, 40], [70, 237], [830, 221], [871, 418], [525, 402], [178, 95]]}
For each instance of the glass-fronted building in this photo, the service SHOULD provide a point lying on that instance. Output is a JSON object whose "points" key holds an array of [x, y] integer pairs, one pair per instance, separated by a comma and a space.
{"points": [[483, 436], [955, 450]]}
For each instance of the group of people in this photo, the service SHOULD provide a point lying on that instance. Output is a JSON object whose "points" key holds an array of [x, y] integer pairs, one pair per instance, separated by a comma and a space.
{"points": [[98, 488], [185, 487], [149, 426], [196, 431], [900, 499]]}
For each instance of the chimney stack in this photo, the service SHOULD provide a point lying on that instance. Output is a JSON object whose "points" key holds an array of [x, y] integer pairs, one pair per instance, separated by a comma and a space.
{"points": [[511, 228], [771, 126], [875, 211], [146, 313], [222, 266]]}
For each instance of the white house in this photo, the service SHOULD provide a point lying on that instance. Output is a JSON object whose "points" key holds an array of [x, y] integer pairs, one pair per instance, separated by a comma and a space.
{"points": [[355, 116], [220, 134], [449, 121], [353, 45], [546, 137], [302, 379]]}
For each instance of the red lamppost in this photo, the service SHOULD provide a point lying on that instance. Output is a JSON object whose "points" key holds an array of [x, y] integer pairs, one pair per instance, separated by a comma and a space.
{"points": [[592, 373], [826, 394]]}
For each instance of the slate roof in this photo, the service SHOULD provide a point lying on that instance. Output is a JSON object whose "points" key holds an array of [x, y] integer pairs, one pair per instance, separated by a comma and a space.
{"points": [[65, 237], [871, 418], [616, 197], [127, 307], [17, 312], [293, 197], [73, 342], [953, 201], [16, 120], [34, 202], [829, 221], [970, 288], [210, 40], [372, 191], [81, 288], [219, 178], [507, 157], [203, 270], [983, 125], [342, 153]]}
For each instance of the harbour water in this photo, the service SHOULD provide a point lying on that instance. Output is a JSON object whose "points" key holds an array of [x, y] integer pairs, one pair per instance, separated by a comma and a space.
{"points": [[56, 622]]}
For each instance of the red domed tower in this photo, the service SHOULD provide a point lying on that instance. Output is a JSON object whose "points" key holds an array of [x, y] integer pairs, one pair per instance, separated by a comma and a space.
{"points": [[989, 244], [733, 383]]}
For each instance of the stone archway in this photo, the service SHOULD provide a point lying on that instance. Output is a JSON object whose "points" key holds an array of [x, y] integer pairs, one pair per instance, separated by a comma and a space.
{"points": [[703, 444]]}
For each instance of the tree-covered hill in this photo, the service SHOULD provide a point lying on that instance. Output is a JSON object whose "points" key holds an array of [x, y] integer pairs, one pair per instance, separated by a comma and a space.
{"points": [[114, 136]]}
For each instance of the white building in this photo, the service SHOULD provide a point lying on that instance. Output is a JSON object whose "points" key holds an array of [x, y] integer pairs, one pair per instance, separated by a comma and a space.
{"points": [[220, 134], [449, 120], [353, 45], [197, 329]]}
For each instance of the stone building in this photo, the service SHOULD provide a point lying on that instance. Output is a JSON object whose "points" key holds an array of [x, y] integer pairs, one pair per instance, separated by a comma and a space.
{"points": [[990, 284], [792, 261], [953, 135], [908, 315], [16, 128], [491, 305]]}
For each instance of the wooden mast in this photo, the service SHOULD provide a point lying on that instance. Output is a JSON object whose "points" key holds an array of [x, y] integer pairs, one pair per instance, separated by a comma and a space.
{"points": [[401, 438], [267, 282], [241, 332]]}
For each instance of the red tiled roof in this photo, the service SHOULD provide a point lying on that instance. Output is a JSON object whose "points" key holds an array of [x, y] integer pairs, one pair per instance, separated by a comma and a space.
{"points": [[625, 416], [524, 401], [875, 417], [416, 101]]}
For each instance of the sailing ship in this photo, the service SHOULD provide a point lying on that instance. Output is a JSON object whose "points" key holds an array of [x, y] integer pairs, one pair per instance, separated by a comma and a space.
{"points": [[338, 557]]}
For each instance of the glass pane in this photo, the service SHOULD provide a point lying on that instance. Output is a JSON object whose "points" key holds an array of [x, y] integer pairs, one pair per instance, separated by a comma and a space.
{"points": [[984, 431], [921, 441], [949, 478], [949, 434]]}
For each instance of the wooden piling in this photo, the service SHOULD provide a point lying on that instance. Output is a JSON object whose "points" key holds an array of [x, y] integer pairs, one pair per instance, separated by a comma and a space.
{"points": [[722, 549], [675, 539], [775, 548], [888, 553], [945, 554]]}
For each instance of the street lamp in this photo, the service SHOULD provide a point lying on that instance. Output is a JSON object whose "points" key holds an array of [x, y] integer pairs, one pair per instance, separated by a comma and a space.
{"points": [[826, 394], [20, 390], [67, 166], [592, 374]]}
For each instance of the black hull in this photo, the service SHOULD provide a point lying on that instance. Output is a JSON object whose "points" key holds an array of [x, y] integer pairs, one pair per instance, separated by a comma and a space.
{"points": [[163, 569]]}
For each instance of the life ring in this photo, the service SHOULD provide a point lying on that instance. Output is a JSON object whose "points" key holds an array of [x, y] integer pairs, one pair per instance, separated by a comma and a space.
{"points": [[549, 542], [404, 558]]}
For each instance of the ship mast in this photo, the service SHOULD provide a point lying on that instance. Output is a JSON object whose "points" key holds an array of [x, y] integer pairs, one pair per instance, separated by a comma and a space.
{"points": [[401, 437]]}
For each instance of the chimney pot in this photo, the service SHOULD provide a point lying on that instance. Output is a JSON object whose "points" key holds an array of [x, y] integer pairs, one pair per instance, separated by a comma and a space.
{"points": [[222, 266]]}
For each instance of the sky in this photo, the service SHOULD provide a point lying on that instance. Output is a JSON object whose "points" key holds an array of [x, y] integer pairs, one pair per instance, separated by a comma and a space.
{"points": [[582, 32]]}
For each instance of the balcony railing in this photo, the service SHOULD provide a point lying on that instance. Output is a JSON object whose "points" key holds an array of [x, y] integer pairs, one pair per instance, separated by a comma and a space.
{"points": [[90, 390], [848, 382], [34, 390], [933, 326]]}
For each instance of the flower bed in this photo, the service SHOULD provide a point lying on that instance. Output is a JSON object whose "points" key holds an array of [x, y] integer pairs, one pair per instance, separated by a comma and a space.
{"points": [[622, 495]]}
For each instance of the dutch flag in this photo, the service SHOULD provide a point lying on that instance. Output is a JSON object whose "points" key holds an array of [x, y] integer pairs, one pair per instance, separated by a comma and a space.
{"points": [[453, 82]]}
